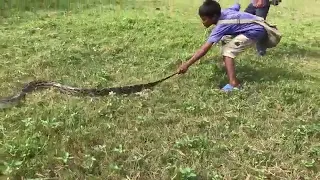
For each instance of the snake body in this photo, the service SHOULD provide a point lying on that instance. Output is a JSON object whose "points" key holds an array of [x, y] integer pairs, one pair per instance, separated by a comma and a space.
{"points": [[41, 84]]}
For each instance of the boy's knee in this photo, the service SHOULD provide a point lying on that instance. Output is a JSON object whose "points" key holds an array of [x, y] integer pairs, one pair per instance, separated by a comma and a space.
{"points": [[236, 46], [229, 52], [250, 9]]}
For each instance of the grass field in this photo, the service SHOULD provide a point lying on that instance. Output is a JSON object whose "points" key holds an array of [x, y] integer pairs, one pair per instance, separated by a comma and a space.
{"points": [[182, 129]]}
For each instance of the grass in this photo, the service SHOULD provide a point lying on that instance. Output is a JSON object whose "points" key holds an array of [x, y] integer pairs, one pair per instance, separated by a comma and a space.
{"points": [[184, 128]]}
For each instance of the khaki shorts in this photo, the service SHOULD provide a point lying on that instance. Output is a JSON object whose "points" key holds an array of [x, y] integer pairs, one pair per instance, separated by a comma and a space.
{"points": [[232, 47]]}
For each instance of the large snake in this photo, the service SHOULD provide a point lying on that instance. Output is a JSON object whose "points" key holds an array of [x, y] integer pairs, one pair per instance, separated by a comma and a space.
{"points": [[39, 84]]}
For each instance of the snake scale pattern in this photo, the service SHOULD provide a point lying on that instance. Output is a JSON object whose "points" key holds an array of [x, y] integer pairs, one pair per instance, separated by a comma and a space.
{"points": [[37, 85]]}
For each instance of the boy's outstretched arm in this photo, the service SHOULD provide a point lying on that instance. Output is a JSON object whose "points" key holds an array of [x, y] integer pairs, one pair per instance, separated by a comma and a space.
{"points": [[199, 54], [214, 38]]}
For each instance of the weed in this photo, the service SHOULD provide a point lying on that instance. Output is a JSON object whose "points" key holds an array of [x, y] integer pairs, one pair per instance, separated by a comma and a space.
{"points": [[184, 128]]}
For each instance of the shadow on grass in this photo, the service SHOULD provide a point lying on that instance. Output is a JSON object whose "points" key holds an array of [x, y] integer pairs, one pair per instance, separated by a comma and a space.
{"points": [[295, 50], [261, 71], [249, 73], [273, 74]]}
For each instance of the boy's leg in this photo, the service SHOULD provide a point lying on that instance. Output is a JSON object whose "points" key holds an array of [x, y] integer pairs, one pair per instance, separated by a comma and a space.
{"points": [[231, 72], [229, 51], [225, 40], [262, 12]]}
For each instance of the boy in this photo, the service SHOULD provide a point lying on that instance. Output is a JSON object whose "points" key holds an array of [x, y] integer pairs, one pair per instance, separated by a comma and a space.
{"points": [[245, 35]]}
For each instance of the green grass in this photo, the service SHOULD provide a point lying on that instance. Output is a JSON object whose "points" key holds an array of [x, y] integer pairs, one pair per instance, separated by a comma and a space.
{"points": [[184, 127]]}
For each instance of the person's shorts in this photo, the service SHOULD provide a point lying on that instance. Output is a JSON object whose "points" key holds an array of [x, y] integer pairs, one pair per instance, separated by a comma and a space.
{"points": [[233, 46]]}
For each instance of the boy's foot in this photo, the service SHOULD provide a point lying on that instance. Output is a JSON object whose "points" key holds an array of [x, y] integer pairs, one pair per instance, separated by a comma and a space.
{"points": [[229, 87], [261, 49], [262, 53]]}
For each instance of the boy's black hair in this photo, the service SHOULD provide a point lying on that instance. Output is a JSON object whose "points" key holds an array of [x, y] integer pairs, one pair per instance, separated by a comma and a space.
{"points": [[210, 8]]}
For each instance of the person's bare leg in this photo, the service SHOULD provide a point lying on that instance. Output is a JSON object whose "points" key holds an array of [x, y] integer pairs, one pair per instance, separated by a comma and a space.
{"points": [[230, 68]]}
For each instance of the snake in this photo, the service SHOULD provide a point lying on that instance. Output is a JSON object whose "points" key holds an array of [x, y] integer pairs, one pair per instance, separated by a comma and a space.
{"points": [[32, 86]]}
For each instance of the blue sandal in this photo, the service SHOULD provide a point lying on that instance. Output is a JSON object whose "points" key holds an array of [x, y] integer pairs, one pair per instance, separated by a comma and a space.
{"points": [[229, 87]]}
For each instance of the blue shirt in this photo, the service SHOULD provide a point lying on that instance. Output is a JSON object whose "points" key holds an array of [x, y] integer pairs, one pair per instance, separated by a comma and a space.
{"points": [[252, 31]]}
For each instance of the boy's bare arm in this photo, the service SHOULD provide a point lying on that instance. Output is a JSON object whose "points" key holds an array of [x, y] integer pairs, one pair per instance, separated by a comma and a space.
{"points": [[199, 54]]}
